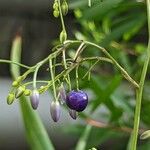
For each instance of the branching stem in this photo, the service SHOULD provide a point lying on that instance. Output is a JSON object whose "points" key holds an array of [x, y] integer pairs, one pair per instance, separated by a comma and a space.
{"points": [[12, 62], [122, 70], [139, 91]]}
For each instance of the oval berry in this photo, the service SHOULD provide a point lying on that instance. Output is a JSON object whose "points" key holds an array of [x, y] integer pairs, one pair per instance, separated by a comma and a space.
{"points": [[34, 99], [73, 114], [55, 110], [77, 100]]}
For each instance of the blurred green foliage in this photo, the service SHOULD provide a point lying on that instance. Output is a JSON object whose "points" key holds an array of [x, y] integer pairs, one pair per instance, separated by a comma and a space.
{"points": [[120, 26]]}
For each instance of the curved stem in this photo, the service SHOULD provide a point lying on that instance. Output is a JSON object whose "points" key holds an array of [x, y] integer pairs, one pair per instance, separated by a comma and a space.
{"points": [[89, 70], [65, 66], [77, 77], [79, 51], [38, 65], [74, 65], [12, 62], [139, 91], [61, 16], [98, 58], [53, 78], [35, 76], [122, 70], [37, 81]]}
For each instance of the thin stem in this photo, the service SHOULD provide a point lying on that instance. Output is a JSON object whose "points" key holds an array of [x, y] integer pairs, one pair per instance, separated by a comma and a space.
{"points": [[72, 66], [37, 81], [122, 70], [35, 76], [139, 91], [90, 69], [100, 124], [77, 77], [124, 73], [53, 78], [65, 66], [79, 51], [98, 59], [38, 65], [12, 62], [61, 16]]}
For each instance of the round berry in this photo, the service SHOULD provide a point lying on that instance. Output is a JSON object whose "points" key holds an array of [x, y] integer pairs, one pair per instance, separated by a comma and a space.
{"points": [[77, 100]]}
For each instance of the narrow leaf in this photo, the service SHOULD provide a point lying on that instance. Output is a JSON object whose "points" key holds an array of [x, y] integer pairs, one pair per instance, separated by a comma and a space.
{"points": [[81, 145], [37, 136]]}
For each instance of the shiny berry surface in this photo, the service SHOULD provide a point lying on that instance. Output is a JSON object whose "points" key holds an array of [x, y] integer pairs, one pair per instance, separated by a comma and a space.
{"points": [[77, 100]]}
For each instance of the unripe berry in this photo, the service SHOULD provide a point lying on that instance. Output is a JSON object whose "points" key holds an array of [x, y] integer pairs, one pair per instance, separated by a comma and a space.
{"points": [[55, 5], [19, 91], [55, 110], [10, 98], [64, 7], [63, 36], [62, 93], [27, 92], [15, 84], [56, 13], [19, 79], [34, 99]]}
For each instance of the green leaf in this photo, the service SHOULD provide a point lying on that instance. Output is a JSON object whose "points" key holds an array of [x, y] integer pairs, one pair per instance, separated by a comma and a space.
{"points": [[103, 95], [123, 28], [37, 136], [80, 4], [102, 135], [100, 9], [82, 142]]}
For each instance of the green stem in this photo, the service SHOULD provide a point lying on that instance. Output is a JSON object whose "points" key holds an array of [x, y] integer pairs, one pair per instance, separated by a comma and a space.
{"points": [[92, 66], [61, 16], [53, 78], [74, 65], [12, 62], [65, 66], [77, 77], [37, 81], [124, 73], [79, 51], [122, 70], [38, 65], [35, 76], [139, 91]]}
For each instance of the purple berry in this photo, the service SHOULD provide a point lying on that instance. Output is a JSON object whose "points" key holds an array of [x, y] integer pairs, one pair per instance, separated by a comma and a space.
{"points": [[77, 100], [73, 114]]}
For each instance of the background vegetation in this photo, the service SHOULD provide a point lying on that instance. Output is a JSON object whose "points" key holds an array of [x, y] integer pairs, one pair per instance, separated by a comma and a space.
{"points": [[121, 27]]}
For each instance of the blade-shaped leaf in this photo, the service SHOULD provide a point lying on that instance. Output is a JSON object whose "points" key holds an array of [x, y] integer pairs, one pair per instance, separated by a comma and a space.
{"points": [[81, 145], [36, 134], [103, 96]]}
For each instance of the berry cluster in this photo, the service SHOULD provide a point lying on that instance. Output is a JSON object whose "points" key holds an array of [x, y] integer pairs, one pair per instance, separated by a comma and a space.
{"points": [[75, 100]]}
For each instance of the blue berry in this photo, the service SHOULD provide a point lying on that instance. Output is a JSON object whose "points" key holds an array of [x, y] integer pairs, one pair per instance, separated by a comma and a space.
{"points": [[77, 100]]}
